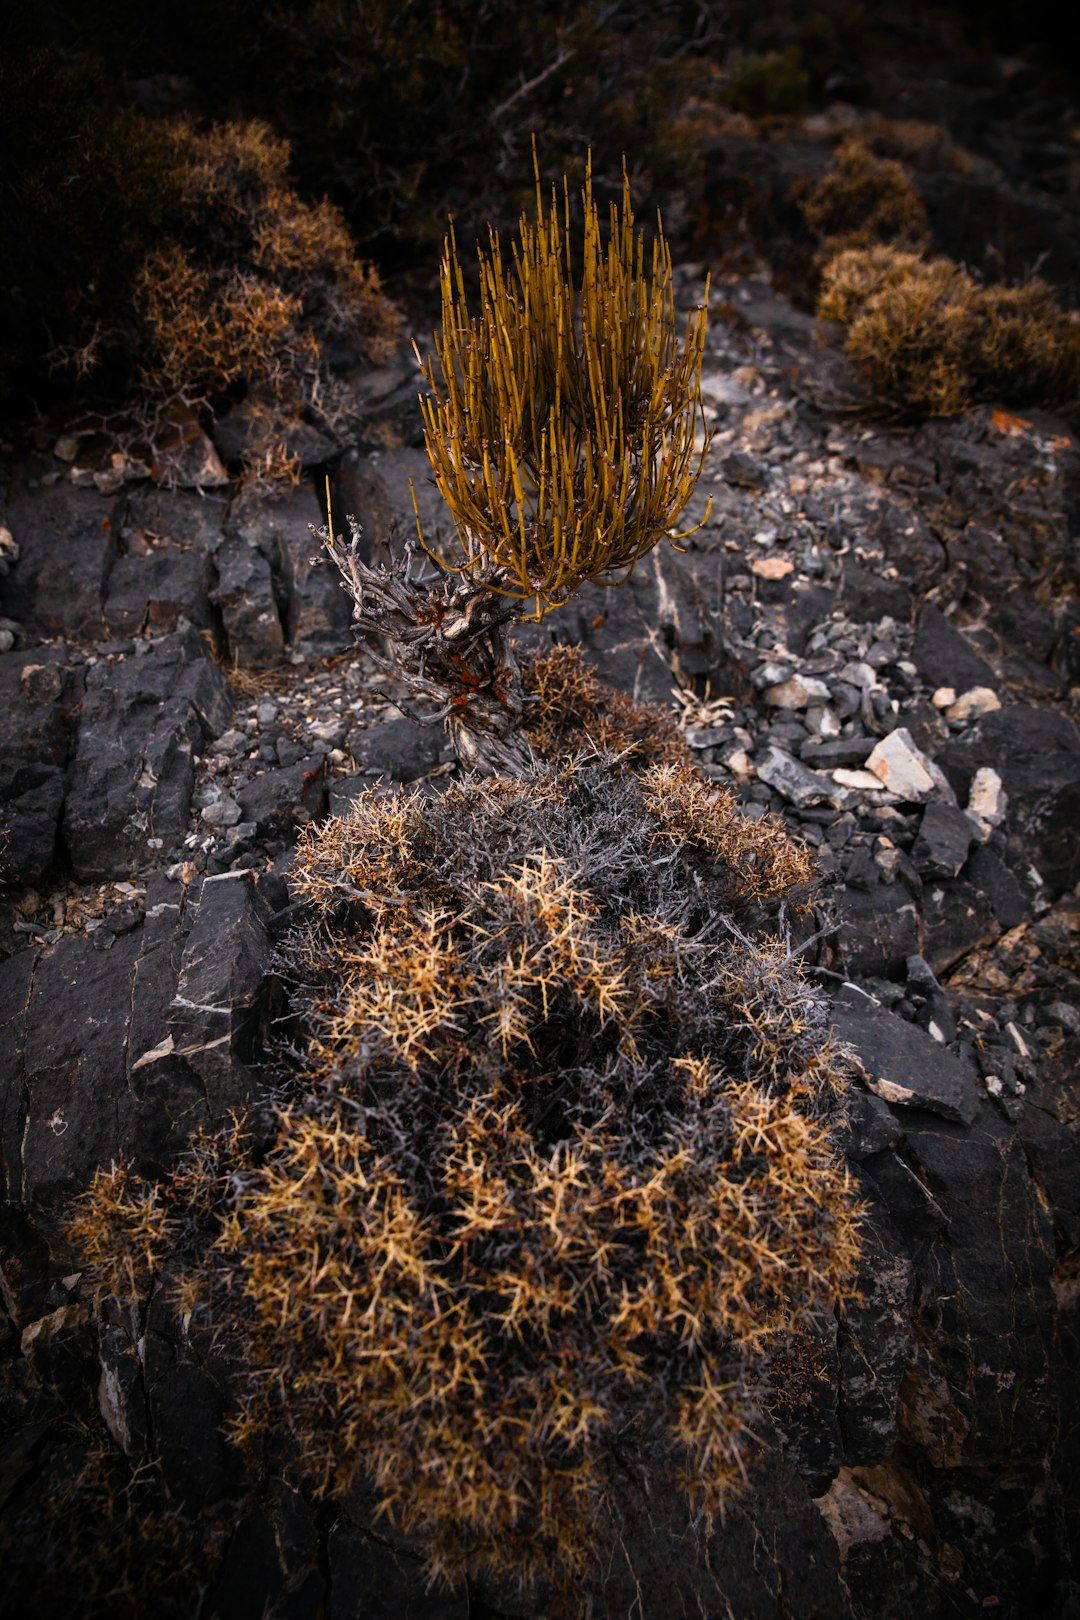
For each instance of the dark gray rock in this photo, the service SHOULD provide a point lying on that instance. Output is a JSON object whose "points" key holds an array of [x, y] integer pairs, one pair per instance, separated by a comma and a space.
{"points": [[869, 1126], [371, 1579], [16, 992], [315, 610], [792, 780], [399, 749], [1036, 752], [279, 801], [271, 1564], [225, 994], [910, 1203], [30, 801], [69, 1085], [244, 592], [982, 1384], [836, 751], [129, 789], [375, 489], [149, 594], [243, 430], [68, 543], [902, 1063], [932, 1010], [957, 919], [909, 542], [867, 597], [40, 694], [943, 655], [185, 1408], [743, 470], [877, 930], [944, 840], [181, 520], [874, 1342]]}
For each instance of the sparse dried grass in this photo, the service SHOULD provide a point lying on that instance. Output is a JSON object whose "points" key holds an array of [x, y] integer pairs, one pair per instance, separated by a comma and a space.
{"points": [[929, 339], [556, 1175]]}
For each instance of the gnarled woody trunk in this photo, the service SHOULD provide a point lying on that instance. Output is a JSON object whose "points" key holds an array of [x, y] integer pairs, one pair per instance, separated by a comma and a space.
{"points": [[444, 639]]}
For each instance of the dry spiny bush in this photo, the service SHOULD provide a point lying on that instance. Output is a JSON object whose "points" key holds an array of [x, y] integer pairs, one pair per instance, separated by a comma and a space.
{"points": [[863, 200], [555, 1176], [930, 340]]}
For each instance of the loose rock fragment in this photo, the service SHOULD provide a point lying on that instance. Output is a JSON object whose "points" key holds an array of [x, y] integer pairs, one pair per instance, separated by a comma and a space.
{"points": [[905, 770]]}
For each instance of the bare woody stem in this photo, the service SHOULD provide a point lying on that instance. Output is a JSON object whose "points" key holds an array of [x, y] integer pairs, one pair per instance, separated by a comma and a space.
{"points": [[444, 638]]}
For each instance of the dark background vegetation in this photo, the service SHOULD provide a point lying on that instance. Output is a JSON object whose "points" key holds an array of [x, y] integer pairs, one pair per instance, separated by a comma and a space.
{"points": [[404, 111]]}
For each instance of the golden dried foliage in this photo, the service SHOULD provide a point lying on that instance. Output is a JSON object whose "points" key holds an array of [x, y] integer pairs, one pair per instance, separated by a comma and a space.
{"points": [[556, 1174], [863, 200], [565, 430], [249, 288], [929, 339], [572, 708]]}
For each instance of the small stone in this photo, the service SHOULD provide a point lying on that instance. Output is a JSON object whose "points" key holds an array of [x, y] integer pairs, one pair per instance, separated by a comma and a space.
{"points": [[790, 778], [834, 751], [739, 763], [859, 674], [222, 813], [772, 567], [863, 781], [822, 722], [770, 674], [905, 770], [978, 700], [66, 447], [987, 803], [266, 712], [109, 482], [944, 840], [796, 693]]}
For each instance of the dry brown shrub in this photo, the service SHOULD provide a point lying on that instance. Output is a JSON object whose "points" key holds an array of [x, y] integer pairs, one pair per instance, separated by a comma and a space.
{"points": [[930, 340], [864, 200], [556, 1175], [926, 147], [251, 290]]}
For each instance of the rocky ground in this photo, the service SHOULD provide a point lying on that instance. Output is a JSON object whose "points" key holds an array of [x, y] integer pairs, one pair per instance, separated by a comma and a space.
{"points": [[874, 635]]}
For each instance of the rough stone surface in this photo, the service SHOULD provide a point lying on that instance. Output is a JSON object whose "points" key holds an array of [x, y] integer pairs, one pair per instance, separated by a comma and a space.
{"points": [[1036, 752], [398, 749], [68, 544], [901, 1063], [245, 595], [131, 779]]}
